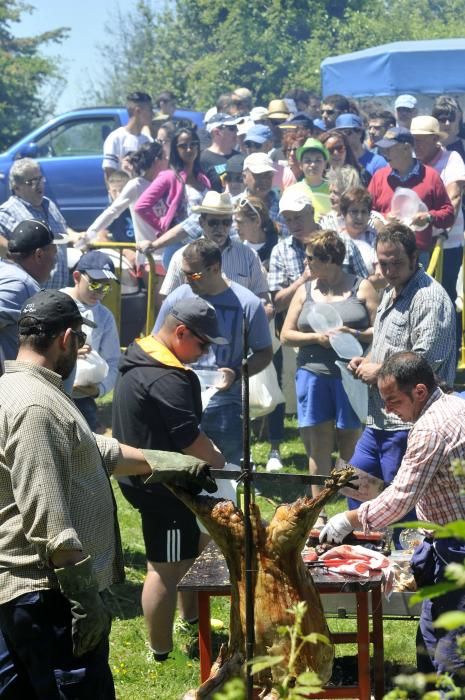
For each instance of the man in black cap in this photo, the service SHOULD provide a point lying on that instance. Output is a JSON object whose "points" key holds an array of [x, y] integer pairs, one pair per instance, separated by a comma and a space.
{"points": [[55, 496], [157, 405], [93, 276], [32, 254]]}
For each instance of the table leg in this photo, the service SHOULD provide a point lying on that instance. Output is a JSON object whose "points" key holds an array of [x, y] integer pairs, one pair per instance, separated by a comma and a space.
{"points": [[205, 640], [378, 642], [363, 628]]}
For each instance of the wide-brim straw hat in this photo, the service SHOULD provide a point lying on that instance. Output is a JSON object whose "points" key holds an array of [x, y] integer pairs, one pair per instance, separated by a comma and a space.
{"points": [[215, 203], [426, 126]]}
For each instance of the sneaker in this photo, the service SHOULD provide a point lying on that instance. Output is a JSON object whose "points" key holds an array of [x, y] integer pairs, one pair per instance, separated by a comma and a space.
{"points": [[274, 463]]}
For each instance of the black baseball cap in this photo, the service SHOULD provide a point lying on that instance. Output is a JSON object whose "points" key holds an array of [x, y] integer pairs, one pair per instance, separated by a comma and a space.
{"points": [[398, 134], [51, 309], [200, 317], [138, 96], [98, 265], [30, 234]]}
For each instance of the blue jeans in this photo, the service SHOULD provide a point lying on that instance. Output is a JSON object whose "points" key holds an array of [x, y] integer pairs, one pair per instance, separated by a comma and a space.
{"points": [[379, 453], [223, 425], [276, 417], [36, 657]]}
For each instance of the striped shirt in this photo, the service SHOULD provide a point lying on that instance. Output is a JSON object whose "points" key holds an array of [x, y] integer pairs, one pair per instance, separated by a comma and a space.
{"points": [[420, 319], [15, 210], [287, 261], [239, 264], [55, 492], [425, 480]]}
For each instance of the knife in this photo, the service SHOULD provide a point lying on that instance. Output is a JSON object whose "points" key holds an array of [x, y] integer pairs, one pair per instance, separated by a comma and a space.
{"points": [[257, 477]]}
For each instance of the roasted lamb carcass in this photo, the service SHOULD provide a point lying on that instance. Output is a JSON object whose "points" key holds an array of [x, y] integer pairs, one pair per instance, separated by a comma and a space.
{"points": [[280, 580]]}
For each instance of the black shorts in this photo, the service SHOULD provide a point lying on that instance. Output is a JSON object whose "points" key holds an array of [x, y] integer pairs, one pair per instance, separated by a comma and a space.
{"points": [[169, 528]]}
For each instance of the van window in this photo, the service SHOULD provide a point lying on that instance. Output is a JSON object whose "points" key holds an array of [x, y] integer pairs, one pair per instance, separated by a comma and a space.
{"points": [[83, 137]]}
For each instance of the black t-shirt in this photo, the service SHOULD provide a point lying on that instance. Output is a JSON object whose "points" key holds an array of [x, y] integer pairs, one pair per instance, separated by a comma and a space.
{"points": [[214, 167]]}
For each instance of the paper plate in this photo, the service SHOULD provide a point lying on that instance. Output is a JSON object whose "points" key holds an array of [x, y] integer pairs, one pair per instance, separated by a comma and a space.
{"points": [[345, 345], [356, 390], [324, 317]]}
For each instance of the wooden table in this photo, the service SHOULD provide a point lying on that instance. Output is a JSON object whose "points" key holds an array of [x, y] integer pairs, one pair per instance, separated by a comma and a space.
{"points": [[209, 576]]}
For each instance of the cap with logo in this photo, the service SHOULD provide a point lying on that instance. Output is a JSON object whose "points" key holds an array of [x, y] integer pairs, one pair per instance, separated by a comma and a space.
{"points": [[30, 234], [51, 309], [405, 101], [97, 265], [259, 163], [199, 316], [397, 134]]}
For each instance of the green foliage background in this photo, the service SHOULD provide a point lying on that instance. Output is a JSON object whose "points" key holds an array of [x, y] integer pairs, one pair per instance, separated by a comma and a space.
{"points": [[24, 72], [201, 48]]}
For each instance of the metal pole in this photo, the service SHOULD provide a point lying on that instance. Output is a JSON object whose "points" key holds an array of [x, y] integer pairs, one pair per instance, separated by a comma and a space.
{"points": [[248, 534]]}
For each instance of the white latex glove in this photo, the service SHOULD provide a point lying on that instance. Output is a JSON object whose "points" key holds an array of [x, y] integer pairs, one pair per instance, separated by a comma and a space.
{"points": [[336, 529]]}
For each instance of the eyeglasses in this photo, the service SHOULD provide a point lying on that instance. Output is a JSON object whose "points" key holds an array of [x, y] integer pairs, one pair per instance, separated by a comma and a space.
{"points": [[328, 111], [187, 146], [244, 202], [34, 181], [204, 344], [322, 258], [196, 275], [216, 223], [101, 287], [337, 149], [81, 336], [229, 127]]}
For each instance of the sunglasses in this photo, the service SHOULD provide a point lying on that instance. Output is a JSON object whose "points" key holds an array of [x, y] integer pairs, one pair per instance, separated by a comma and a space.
{"points": [[81, 336], [204, 344], [188, 146], [229, 127], [328, 111], [252, 144], [337, 149], [322, 258], [216, 223], [195, 275], [101, 287], [34, 181]]}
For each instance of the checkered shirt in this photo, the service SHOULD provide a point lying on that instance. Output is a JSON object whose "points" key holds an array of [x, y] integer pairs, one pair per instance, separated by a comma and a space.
{"points": [[425, 479], [55, 492]]}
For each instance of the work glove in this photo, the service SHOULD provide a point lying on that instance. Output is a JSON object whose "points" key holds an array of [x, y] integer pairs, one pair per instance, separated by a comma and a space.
{"points": [[91, 619], [176, 469], [336, 529]]}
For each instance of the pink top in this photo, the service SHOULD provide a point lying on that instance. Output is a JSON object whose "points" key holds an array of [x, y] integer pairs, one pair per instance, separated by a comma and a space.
{"points": [[168, 187]]}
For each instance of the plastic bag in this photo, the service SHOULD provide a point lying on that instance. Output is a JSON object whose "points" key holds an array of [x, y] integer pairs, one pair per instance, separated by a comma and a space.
{"points": [[226, 490], [264, 392], [91, 369]]}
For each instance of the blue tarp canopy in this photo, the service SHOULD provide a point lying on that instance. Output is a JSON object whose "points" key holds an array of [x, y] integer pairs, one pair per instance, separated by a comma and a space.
{"points": [[433, 67]]}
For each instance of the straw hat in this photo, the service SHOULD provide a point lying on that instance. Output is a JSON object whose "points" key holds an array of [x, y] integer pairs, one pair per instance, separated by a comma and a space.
{"points": [[215, 203], [278, 109], [426, 126]]}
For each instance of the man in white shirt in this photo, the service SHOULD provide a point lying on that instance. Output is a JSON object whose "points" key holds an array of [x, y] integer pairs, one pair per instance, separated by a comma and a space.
{"points": [[129, 138]]}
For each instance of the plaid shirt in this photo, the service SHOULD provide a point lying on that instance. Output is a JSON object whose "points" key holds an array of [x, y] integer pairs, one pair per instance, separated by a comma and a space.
{"points": [[15, 210], [425, 480], [287, 261], [55, 492], [421, 319]]}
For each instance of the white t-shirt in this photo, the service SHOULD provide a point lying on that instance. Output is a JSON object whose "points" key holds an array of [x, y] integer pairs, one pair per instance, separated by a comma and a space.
{"points": [[118, 144], [451, 168]]}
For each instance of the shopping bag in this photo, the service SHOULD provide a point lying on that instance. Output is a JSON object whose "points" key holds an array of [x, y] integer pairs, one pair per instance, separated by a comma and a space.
{"points": [[264, 392]]}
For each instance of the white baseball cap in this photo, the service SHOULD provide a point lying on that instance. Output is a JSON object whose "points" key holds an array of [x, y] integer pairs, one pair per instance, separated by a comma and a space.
{"points": [[259, 163]]}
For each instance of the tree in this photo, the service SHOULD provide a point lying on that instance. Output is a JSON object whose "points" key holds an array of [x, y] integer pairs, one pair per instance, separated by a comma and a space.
{"points": [[199, 48], [23, 74]]}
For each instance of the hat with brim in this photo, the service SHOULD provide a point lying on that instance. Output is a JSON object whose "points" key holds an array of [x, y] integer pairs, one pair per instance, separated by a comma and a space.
{"points": [[97, 265], [301, 119], [277, 109], [200, 317], [312, 145], [215, 203], [51, 309], [31, 234], [395, 135], [426, 126], [259, 163], [294, 200]]}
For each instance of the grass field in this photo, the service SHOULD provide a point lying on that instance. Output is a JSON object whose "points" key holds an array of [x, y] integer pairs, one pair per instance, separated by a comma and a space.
{"points": [[137, 676]]}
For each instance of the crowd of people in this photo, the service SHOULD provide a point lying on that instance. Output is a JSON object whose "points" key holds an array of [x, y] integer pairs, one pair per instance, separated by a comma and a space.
{"points": [[263, 218]]}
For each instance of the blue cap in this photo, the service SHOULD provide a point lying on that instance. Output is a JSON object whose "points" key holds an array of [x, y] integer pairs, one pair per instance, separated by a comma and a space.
{"points": [[97, 265], [298, 119], [259, 134], [349, 121], [397, 134], [320, 124]]}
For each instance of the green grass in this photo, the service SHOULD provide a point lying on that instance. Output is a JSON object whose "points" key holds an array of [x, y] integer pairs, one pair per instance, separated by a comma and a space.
{"points": [[137, 676]]}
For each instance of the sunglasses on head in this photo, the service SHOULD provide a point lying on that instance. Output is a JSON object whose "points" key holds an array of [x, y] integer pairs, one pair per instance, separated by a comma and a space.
{"points": [[244, 202], [102, 287], [81, 336], [216, 223]]}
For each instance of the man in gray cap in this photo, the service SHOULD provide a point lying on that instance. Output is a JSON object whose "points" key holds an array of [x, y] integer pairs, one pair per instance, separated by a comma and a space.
{"points": [[61, 548], [32, 254], [157, 405]]}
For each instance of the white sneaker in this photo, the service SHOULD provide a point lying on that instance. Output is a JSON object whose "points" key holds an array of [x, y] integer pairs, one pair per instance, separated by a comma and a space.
{"points": [[274, 463]]}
